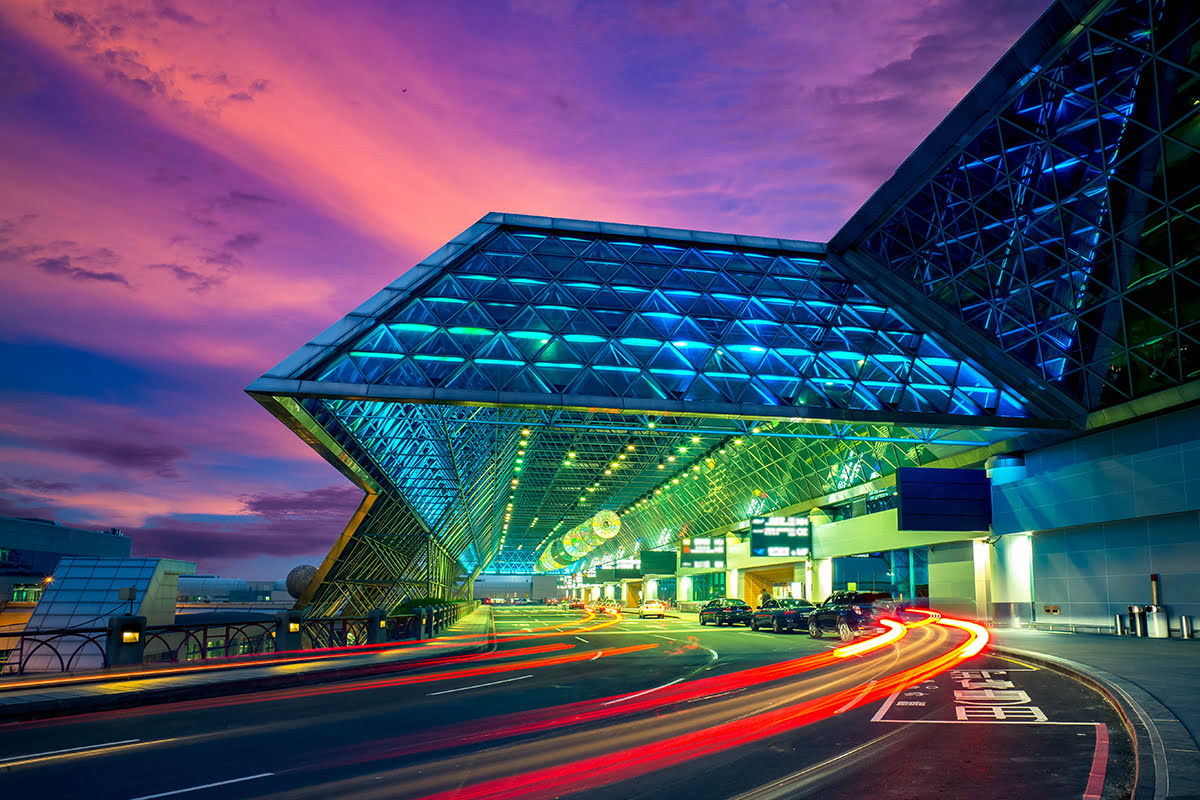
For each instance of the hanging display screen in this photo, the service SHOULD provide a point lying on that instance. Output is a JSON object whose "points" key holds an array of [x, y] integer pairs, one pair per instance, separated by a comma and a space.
{"points": [[702, 552], [780, 537]]}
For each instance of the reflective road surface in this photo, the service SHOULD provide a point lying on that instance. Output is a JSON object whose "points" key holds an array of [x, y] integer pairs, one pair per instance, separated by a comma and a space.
{"points": [[568, 703]]}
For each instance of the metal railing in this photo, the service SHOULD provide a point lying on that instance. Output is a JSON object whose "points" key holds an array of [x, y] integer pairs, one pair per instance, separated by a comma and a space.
{"points": [[72, 649]]}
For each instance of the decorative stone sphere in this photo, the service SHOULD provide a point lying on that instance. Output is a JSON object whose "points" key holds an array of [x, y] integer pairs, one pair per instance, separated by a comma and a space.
{"points": [[299, 579]]}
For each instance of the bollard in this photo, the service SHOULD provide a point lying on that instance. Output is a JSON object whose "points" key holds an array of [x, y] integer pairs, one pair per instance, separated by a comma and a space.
{"points": [[420, 623], [126, 642], [1185, 626], [377, 626], [1119, 624], [287, 631], [1137, 621]]}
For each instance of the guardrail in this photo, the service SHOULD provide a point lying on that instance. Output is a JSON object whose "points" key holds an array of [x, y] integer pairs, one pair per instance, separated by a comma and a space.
{"points": [[71, 649]]}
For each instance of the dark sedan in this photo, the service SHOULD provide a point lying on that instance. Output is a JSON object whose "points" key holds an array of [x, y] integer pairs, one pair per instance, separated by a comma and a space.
{"points": [[725, 611], [784, 614]]}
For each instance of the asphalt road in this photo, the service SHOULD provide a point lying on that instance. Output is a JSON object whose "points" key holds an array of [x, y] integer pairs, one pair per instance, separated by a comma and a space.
{"points": [[601, 708]]}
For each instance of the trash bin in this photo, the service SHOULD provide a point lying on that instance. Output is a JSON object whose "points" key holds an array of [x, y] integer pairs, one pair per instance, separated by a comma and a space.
{"points": [[1137, 620], [1156, 622]]}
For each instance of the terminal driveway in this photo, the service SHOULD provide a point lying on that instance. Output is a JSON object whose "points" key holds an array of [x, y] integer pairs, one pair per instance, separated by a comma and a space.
{"points": [[570, 704]]}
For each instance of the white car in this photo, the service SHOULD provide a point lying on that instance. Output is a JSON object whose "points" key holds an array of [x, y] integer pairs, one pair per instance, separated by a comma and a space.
{"points": [[652, 608]]}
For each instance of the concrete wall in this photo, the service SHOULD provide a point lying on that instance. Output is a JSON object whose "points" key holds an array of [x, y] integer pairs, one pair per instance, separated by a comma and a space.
{"points": [[952, 585], [873, 533], [1095, 571], [1105, 511]]}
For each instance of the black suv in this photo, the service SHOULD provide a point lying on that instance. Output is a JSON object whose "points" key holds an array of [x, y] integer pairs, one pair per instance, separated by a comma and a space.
{"points": [[850, 613], [783, 614], [725, 611]]}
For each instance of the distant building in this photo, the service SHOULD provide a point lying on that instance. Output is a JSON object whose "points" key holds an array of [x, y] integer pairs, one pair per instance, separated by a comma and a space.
{"points": [[30, 550], [215, 589]]}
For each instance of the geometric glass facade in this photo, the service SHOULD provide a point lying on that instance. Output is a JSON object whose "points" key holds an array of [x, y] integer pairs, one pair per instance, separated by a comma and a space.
{"points": [[1067, 227], [1032, 261]]}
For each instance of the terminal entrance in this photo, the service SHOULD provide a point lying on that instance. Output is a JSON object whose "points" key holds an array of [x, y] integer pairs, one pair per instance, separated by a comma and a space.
{"points": [[775, 580]]}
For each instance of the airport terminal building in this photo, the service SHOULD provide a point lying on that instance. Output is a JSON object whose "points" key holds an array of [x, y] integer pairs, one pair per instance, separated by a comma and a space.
{"points": [[1018, 304]]}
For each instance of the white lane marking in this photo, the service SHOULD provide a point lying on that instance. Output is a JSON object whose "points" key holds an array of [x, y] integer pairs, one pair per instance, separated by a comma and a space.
{"points": [[478, 686], [856, 698], [205, 786], [668, 638], [68, 750], [598, 654], [580, 638], [714, 653], [639, 694]]}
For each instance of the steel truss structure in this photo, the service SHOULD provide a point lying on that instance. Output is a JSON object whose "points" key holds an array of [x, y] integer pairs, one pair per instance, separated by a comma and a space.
{"points": [[1025, 266]]}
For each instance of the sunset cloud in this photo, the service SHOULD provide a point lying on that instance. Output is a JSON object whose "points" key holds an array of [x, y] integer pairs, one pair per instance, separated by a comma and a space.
{"points": [[189, 191]]}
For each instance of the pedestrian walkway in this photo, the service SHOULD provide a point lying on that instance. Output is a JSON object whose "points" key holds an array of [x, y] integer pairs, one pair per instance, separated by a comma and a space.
{"points": [[45, 695], [1154, 683]]}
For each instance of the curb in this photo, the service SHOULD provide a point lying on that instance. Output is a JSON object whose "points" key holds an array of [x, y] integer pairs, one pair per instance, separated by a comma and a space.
{"points": [[66, 706], [1161, 742]]}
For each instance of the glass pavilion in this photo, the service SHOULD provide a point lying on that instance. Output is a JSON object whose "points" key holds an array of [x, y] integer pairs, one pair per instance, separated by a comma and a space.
{"points": [[1029, 270]]}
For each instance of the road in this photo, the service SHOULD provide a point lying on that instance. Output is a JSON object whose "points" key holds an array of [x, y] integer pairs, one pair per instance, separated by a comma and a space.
{"points": [[602, 707]]}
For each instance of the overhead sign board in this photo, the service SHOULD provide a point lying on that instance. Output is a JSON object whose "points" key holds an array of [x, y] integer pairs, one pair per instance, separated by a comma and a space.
{"points": [[780, 537], [930, 499], [658, 562], [702, 552]]}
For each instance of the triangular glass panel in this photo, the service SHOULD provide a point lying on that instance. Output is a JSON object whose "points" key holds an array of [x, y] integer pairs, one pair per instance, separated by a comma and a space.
{"points": [[379, 340], [438, 368], [342, 371], [503, 243], [502, 313], [552, 246], [470, 378], [527, 381]]}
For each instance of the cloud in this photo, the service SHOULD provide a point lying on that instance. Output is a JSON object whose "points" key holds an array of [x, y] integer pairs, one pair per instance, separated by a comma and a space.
{"points": [[36, 486], [150, 458], [61, 265], [287, 524], [237, 200], [168, 12], [166, 176], [195, 281], [244, 241]]}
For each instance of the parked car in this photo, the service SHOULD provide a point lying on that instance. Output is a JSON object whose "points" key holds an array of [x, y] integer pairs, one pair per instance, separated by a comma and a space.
{"points": [[652, 608], [725, 611], [784, 614], [849, 614]]}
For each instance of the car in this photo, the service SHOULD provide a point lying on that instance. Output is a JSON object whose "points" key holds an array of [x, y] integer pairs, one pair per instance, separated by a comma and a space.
{"points": [[849, 614], [725, 611], [498, 601], [783, 614], [652, 608], [577, 603]]}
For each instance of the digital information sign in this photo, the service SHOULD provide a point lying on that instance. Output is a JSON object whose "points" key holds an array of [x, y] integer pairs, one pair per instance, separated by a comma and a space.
{"points": [[702, 552], [780, 537]]}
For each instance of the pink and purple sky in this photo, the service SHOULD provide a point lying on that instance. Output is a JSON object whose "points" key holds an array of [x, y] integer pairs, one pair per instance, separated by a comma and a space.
{"points": [[189, 191]]}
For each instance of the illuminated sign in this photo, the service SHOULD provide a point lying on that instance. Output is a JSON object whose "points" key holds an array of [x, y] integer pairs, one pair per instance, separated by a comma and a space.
{"points": [[702, 552], [780, 537]]}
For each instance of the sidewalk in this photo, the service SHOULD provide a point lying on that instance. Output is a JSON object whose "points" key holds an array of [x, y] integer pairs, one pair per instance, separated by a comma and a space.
{"points": [[1154, 682], [95, 692]]}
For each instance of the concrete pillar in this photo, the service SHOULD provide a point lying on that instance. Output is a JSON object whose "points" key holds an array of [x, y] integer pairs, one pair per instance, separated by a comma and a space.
{"points": [[287, 631], [427, 621], [377, 626], [126, 641]]}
